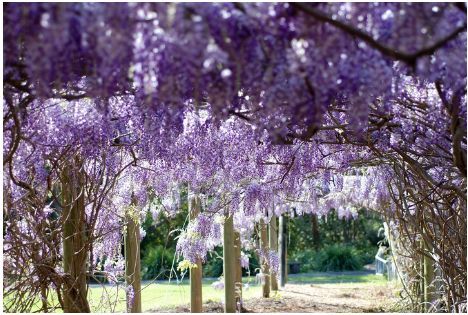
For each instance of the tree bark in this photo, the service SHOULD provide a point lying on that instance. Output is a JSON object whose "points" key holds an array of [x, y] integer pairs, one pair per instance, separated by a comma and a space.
{"points": [[132, 258], [196, 304], [75, 251], [265, 267], [273, 240], [229, 266]]}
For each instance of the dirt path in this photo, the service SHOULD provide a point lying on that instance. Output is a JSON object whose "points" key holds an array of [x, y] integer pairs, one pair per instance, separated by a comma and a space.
{"points": [[332, 298], [313, 298]]}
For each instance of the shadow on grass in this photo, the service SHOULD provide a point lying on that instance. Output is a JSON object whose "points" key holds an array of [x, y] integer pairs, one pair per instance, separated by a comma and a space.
{"points": [[336, 277]]}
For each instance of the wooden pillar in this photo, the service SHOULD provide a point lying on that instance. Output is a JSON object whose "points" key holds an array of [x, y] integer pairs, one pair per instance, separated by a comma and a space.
{"points": [[238, 276], [265, 267], [75, 251], [286, 244], [132, 258], [196, 303], [229, 266], [282, 238], [273, 240]]}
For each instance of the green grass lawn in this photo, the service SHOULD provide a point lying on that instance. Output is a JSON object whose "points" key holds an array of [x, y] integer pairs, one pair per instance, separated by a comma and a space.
{"points": [[336, 277], [160, 295], [163, 294]]}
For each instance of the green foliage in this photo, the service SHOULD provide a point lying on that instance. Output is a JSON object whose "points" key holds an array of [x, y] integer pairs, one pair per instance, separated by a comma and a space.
{"points": [[361, 232], [367, 255], [214, 264], [334, 243], [307, 259], [338, 258], [330, 258], [157, 262], [213, 267], [159, 244], [254, 264]]}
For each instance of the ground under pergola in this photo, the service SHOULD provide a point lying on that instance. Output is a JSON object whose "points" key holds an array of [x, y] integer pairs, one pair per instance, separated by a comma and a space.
{"points": [[315, 298]]}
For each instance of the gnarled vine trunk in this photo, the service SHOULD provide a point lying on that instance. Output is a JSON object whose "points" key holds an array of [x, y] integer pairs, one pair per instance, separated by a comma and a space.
{"points": [[75, 251]]}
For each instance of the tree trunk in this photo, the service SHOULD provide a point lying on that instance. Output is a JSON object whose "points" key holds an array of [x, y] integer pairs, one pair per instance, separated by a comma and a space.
{"points": [[196, 304], [229, 266], [132, 259], [273, 240], [238, 277], [265, 268], [75, 251], [283, 249]]}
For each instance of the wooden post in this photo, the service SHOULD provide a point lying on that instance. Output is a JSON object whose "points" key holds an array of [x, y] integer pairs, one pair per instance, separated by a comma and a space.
{"points": [[75, 251], [238, 277], [196, 304], [264, 261], [132, 258], [286, 245], [229, 266], [283, 236], [273, 240]]}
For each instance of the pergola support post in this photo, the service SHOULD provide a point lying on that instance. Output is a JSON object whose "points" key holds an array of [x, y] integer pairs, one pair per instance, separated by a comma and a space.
{"points": [[132, 258], [273, 240], [196, 302], [229, 266], [264, 261], [283, 236]]}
